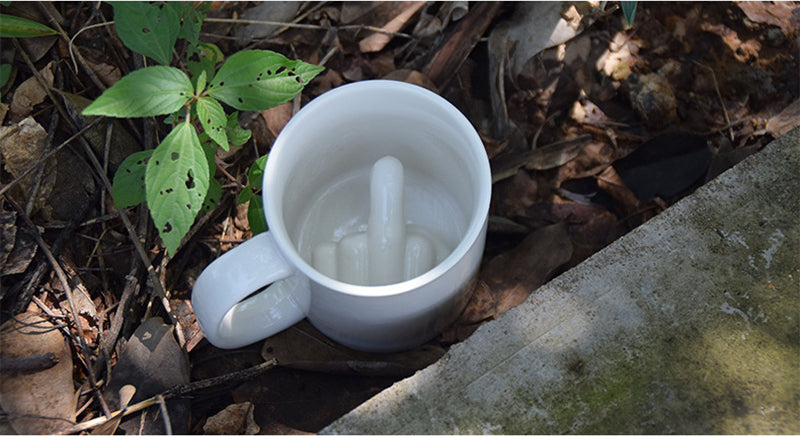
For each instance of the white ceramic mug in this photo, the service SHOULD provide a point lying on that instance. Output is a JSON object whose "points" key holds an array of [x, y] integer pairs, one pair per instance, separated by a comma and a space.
{"points": [[316, 189]]}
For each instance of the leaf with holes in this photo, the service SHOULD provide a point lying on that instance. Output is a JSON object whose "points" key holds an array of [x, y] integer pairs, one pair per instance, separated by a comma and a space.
{"points": [[236, 134], [176, 183], [212, 197], [260, 79], [213, 119], [147, 92], [203, 57], [148, 29], [128, 186]]}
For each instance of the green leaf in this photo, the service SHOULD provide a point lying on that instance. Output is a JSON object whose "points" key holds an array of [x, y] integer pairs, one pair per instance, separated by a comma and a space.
{"points": [[629, 11], [212, 197], [245, 195], [260, 79], [128, 186], [176, 183], [256, 174], [236, 134], [5, 73], [203, 57], [144, 93], [148, 29], [191, 18], [212, 118], [16, 27], [255, 215], [200, 86]]}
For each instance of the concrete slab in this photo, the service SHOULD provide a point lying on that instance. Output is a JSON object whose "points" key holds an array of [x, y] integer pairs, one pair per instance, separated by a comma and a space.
{"points": [[688, 324]]}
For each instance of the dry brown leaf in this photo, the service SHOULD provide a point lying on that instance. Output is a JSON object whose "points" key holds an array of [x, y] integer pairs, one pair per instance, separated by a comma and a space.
{"points": [[513, 275], [509, 278], [266, 11], [378, 40], [30, 93], [786, 120], [304, 347], [37, 402], [234, 419], [276, 117], [773, 13], [21, 145], [411, 76]]}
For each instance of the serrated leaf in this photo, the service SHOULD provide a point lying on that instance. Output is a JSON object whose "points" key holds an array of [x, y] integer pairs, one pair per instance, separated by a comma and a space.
{"points": [[255, 215], [629, 11], [212, 118], [203, 57], [256, 174], [202, 81], [176, 183], [148, 29], [236, 134], [128, 186], [260, 79], [212, 197], [191, 19], [147, 92], [17, 27]]}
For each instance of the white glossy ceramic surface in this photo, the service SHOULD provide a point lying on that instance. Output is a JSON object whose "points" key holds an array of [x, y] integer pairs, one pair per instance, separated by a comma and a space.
{"points": [[330, 144]]}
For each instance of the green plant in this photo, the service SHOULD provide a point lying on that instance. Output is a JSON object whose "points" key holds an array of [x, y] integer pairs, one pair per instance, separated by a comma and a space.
{"points": [[629, 11], [176, 178], [17, 27]]}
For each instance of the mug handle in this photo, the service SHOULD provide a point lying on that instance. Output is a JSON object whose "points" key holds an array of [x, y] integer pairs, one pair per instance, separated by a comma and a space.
{"points": [[219, 298]]}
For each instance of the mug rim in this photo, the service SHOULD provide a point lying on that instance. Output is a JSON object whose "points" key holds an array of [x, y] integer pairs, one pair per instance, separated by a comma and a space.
{"points": [[478, 216]]}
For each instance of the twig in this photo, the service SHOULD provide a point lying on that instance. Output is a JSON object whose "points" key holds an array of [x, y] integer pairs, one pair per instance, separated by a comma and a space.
{"points": [[162, 405], [719, 96], [37, 182], [107, 184], [86, 68], [307, 26], [67, 292], [178, 391], [28, 364], [47, 156]]}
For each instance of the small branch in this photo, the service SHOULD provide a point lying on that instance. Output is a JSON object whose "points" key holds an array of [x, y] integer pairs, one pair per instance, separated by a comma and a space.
{"points": [[178, 391], [28, 364]]}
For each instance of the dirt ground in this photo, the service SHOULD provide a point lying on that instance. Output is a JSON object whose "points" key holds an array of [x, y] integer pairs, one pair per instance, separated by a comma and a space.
{"points": [[592, 128]]}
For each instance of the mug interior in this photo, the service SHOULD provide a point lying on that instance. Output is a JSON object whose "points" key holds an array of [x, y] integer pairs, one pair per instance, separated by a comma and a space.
{"points": [[313, 183]]}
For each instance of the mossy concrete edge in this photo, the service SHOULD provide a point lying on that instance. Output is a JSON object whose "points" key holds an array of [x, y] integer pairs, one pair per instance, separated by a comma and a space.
{"points": [[688, 324]]}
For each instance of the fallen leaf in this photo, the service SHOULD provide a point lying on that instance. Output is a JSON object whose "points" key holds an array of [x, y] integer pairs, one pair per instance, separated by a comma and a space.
{"points": [[122, 143], [378, 40], [509, 278], [544, 158], [37, 402], [430, 24], [276, 117], [22, 145], [22, 243], [30, 93], [665, 166], [413, 77], [773, 13], [304, 347], [267, 11], [234, 419], [152, 362], [786, 120]]}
